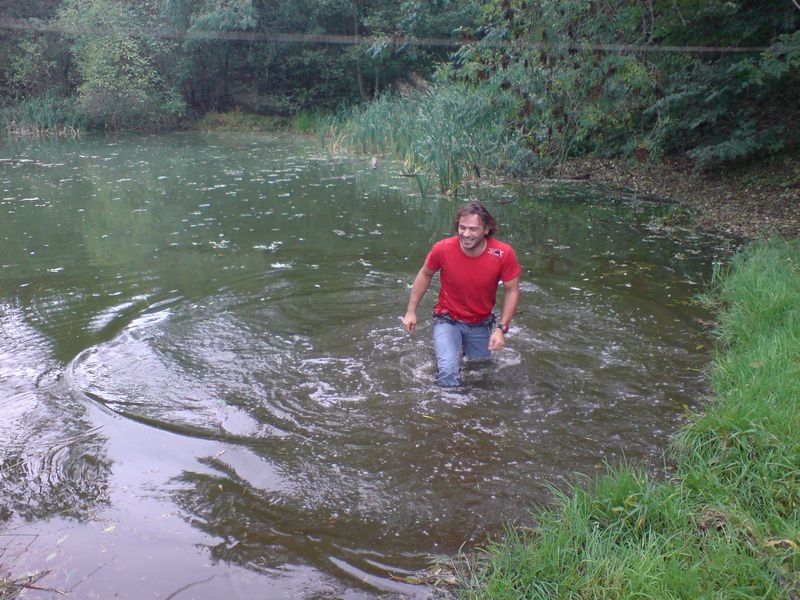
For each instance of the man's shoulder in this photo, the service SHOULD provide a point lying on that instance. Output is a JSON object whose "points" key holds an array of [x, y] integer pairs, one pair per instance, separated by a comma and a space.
{"points": [[440, 253], [446, 243]]}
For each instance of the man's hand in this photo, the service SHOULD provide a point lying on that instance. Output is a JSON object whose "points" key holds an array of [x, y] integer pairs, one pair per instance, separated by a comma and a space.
{"points": [[410, 321], [497, 341], [421, 284]]}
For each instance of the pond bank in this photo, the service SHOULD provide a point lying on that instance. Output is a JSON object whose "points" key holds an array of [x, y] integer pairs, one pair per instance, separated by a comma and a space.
{"points": [[755, 201], [723, 518]]}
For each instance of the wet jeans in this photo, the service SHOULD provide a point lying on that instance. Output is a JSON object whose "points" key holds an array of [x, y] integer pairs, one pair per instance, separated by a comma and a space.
{"points": [[451, 338]]}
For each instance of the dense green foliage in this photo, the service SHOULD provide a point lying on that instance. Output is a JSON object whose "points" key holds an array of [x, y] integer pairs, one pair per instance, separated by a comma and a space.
{"points": [[150, 64], [119, 83], [719, 105], [716, 80], [725, 522]]}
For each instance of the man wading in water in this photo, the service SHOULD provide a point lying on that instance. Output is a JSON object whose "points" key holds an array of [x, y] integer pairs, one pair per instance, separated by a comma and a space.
{"points": [[472, 264]]}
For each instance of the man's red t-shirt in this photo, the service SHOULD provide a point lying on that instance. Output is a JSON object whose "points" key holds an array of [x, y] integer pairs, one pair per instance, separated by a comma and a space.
{"points": [[468, 289]]}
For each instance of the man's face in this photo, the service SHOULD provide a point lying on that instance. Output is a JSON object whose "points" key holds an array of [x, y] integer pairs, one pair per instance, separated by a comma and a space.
{"points": [[471, 233]]}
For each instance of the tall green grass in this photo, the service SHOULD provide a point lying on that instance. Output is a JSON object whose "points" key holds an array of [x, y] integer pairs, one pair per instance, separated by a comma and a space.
{"points": [[443, 135], [723, 520], [44, 115], [745, 447]]}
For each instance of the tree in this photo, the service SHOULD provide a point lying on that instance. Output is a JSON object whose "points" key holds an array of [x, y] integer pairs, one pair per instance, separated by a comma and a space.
{"points": [[731, 105], [31, 63], [218, 57], [591, 77], [115, 56]]}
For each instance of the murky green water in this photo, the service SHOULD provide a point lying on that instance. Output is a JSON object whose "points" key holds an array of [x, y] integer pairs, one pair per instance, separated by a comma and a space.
{"points": [[205, 389]]}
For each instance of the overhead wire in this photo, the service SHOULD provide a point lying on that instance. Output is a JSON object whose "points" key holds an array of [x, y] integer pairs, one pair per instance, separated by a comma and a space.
{"points": [[395, 40]]}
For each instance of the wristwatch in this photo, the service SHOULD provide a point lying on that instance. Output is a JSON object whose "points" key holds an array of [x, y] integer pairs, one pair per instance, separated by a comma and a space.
{"points": [[503, 328]]}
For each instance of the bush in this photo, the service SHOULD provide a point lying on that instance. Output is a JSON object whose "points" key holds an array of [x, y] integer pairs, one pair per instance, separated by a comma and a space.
{"points": [[135, 110]]}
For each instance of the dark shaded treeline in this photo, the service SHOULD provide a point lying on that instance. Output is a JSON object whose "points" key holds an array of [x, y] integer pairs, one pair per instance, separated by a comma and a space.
{"points": [[121, 68]]}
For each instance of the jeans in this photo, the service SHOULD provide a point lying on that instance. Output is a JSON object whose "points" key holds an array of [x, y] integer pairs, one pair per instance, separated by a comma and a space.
{"points": [[450, 338]]}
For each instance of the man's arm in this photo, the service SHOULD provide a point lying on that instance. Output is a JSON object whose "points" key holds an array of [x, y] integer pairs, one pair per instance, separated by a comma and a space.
{"points": [[421, 284], [510, 300]]}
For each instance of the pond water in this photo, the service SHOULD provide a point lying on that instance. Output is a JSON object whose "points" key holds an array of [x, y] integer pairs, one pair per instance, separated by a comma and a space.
{"points": [[206, 391]]}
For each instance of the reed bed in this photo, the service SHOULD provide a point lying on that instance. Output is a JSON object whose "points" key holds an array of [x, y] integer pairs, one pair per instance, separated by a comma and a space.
{"points": [[44, 115], [443, 135], [722, 520]]}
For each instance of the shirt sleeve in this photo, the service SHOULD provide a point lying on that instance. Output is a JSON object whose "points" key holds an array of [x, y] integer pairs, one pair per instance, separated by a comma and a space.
{"points": [[434, 259], [511, 268]]}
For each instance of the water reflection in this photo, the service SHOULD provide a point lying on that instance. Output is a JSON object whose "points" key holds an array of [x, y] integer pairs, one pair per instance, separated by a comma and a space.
{"points": [[44, 470], [226, 309]]}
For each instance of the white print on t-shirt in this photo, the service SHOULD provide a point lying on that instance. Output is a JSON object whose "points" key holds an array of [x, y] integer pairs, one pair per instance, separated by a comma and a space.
{"points": [[496, 252]]}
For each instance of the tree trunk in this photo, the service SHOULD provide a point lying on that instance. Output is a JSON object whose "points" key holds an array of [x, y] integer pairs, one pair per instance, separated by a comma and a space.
{"points": [[362, 88]]}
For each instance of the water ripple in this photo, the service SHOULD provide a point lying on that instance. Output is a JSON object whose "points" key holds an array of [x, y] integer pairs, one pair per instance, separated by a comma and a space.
{"points": [[43, 471]]}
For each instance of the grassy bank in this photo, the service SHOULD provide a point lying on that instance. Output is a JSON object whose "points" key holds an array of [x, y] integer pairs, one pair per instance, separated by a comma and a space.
{"points": [[723, 520]]}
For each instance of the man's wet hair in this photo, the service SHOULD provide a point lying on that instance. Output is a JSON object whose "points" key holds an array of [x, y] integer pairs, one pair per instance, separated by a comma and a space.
{"points": [[476, 208]]}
